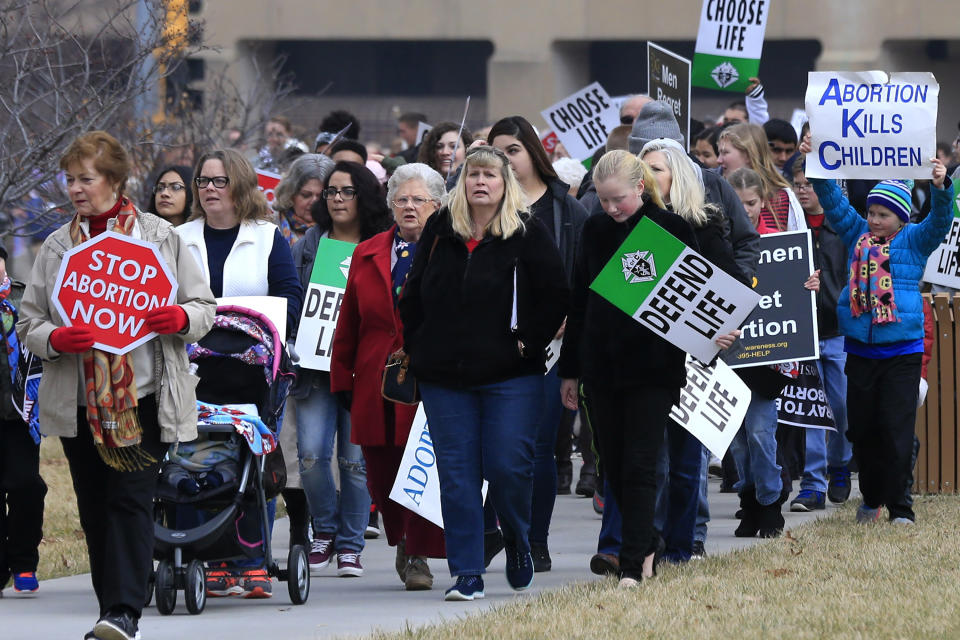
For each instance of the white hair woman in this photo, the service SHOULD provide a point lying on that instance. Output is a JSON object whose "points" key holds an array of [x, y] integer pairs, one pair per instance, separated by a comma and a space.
{"points": [[484, 297], [368, 331], [296, 194]]}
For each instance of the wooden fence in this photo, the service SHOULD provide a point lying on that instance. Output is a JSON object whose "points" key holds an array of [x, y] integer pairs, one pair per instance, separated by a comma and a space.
{"points": [[937, 420]]}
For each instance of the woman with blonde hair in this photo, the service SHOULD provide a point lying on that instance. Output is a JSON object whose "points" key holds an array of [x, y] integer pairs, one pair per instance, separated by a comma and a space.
{"points": [[746, 145], [630, 376], [484, 297]]}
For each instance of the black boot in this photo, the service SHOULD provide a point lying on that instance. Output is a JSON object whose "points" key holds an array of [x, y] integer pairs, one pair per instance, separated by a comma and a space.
{"points": [[299, 514], [770, 521], [749, 521]]}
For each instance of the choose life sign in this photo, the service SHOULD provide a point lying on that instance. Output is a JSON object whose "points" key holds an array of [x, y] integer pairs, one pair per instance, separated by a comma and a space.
{"points": [[583, 120], [871, 125], [674, 291], [668, 80], [783, 327], [321, 307], [729, 43]]}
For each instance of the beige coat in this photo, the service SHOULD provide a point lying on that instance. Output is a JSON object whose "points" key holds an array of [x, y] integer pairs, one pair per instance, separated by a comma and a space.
{"points": [[176, 398]]}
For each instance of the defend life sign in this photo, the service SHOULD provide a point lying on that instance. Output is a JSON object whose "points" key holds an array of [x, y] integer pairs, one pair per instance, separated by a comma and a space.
{"points": [[712, 405], [943, 265], [674, 291], [668, 80], [729, 43], [583, 120], [783, 327], [321, 307], [108, 284], [871, 125]]}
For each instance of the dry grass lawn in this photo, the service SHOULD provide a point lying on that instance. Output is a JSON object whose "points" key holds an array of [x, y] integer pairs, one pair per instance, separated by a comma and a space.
{"points": [[826, 579], [63, 551]]}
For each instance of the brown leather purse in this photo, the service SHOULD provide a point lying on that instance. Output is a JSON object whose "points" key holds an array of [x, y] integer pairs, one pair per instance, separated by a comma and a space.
{"points": [[399, 383]]}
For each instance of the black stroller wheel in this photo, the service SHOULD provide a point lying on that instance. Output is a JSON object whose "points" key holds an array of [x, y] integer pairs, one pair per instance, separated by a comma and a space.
{"points": [[165, 588], [298, 575], [195, 587]]}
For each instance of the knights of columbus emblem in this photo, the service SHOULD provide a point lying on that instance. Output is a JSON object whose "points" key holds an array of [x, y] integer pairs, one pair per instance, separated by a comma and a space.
{"points": [[638, 267]]}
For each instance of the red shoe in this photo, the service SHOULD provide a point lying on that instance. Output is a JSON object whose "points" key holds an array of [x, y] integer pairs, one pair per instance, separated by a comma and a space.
{"points": [[256, 583], [222, 582]]}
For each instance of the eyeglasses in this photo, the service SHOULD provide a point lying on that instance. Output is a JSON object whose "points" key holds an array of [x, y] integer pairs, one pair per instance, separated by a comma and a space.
{"points": [[218, 181], [347, 193], [802, 186], [176, 187], [416, 201]]}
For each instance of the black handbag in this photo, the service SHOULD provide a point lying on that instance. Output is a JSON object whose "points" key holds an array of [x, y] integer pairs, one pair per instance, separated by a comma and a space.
{"points": [[399, 384]]}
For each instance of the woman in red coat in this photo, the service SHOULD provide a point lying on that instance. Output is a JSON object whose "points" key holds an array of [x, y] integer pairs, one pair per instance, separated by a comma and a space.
{"points": [[368, 331]]}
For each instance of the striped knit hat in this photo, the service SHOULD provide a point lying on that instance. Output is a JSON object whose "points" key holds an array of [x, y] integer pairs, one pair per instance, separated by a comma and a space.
{"points": [[894, 195]]}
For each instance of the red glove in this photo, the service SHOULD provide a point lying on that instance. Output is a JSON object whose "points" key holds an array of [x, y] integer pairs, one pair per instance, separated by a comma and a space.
{"points": [[170, 319], [71, 339]]}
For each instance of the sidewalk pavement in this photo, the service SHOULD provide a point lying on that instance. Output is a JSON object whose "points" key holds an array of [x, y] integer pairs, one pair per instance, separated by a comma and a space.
{"points": [[66, 607]]}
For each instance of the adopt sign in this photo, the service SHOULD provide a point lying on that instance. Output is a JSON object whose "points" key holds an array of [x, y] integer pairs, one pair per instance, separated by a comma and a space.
{"points": [[673, 291], [583, 120], [109, 284], [712, 405], [783, 327], [871, 125], [943, 265], [321, 307], [729, 43]]}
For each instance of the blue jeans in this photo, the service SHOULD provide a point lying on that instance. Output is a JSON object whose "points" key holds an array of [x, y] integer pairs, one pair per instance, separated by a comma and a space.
{"points": [[320, 420], [487, 431], [832, 361], [755, 451], [814, 477], [703, 505], [678, 491], [544, 462], [609, 540]]}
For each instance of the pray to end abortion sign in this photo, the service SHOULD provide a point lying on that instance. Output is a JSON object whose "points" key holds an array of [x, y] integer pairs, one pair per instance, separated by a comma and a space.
{"points": [[871, 125]]}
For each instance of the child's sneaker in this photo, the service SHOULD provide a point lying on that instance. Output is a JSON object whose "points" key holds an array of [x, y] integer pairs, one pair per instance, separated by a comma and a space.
{"points": [[222, 582], [256, 583], [866, 515], [25, 582]]}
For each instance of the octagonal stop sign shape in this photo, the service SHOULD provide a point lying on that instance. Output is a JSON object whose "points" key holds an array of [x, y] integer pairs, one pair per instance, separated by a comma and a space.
{"points": [[109, 284]]}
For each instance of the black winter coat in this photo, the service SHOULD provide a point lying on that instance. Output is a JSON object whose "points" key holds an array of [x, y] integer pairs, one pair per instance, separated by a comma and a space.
{"points": [[603, 345], [830, 256], [456, 306]]}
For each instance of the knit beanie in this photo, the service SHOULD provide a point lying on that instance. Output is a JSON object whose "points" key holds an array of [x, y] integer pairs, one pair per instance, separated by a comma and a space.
{"points": [[894, 195], [655, 120]]}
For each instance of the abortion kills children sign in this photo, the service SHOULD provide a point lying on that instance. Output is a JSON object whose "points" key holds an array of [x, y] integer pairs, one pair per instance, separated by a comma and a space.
{"points": [[783, 327], [321, 307], [668, 80], [109, 284], [674, 291], [871, 125], [729, 43], [712, 404], [943, 265], [583, 120]]}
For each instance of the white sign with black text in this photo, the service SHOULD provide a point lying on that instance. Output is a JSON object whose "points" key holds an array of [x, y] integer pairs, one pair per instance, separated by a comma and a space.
{"points": [[712, 405]]}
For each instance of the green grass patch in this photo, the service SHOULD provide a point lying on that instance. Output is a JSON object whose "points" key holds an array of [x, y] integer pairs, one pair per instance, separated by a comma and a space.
{"points": [[827, 578]]}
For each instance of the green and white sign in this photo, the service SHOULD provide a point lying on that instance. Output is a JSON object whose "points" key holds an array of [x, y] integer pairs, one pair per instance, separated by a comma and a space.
{"points": [[943, 265], [729, 43], [321, 307], [712, 405], [674, 291]]}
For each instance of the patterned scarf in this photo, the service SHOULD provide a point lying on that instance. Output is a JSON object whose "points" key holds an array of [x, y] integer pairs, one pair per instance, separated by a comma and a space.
{"points": [[290, 228], [405, 252], [871, 285], [108, 381]]}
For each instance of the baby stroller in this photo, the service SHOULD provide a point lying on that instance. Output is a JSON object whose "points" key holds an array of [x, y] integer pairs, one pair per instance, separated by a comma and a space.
{"points": [[241, 360]]}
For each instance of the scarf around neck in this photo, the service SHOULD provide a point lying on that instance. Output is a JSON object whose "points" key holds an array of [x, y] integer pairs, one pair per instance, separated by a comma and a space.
{"points": [[871, 283], [109, 385]]}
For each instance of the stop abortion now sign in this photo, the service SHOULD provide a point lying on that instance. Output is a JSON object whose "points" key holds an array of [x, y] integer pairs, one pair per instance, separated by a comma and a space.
{"points": [[109, 284]]}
